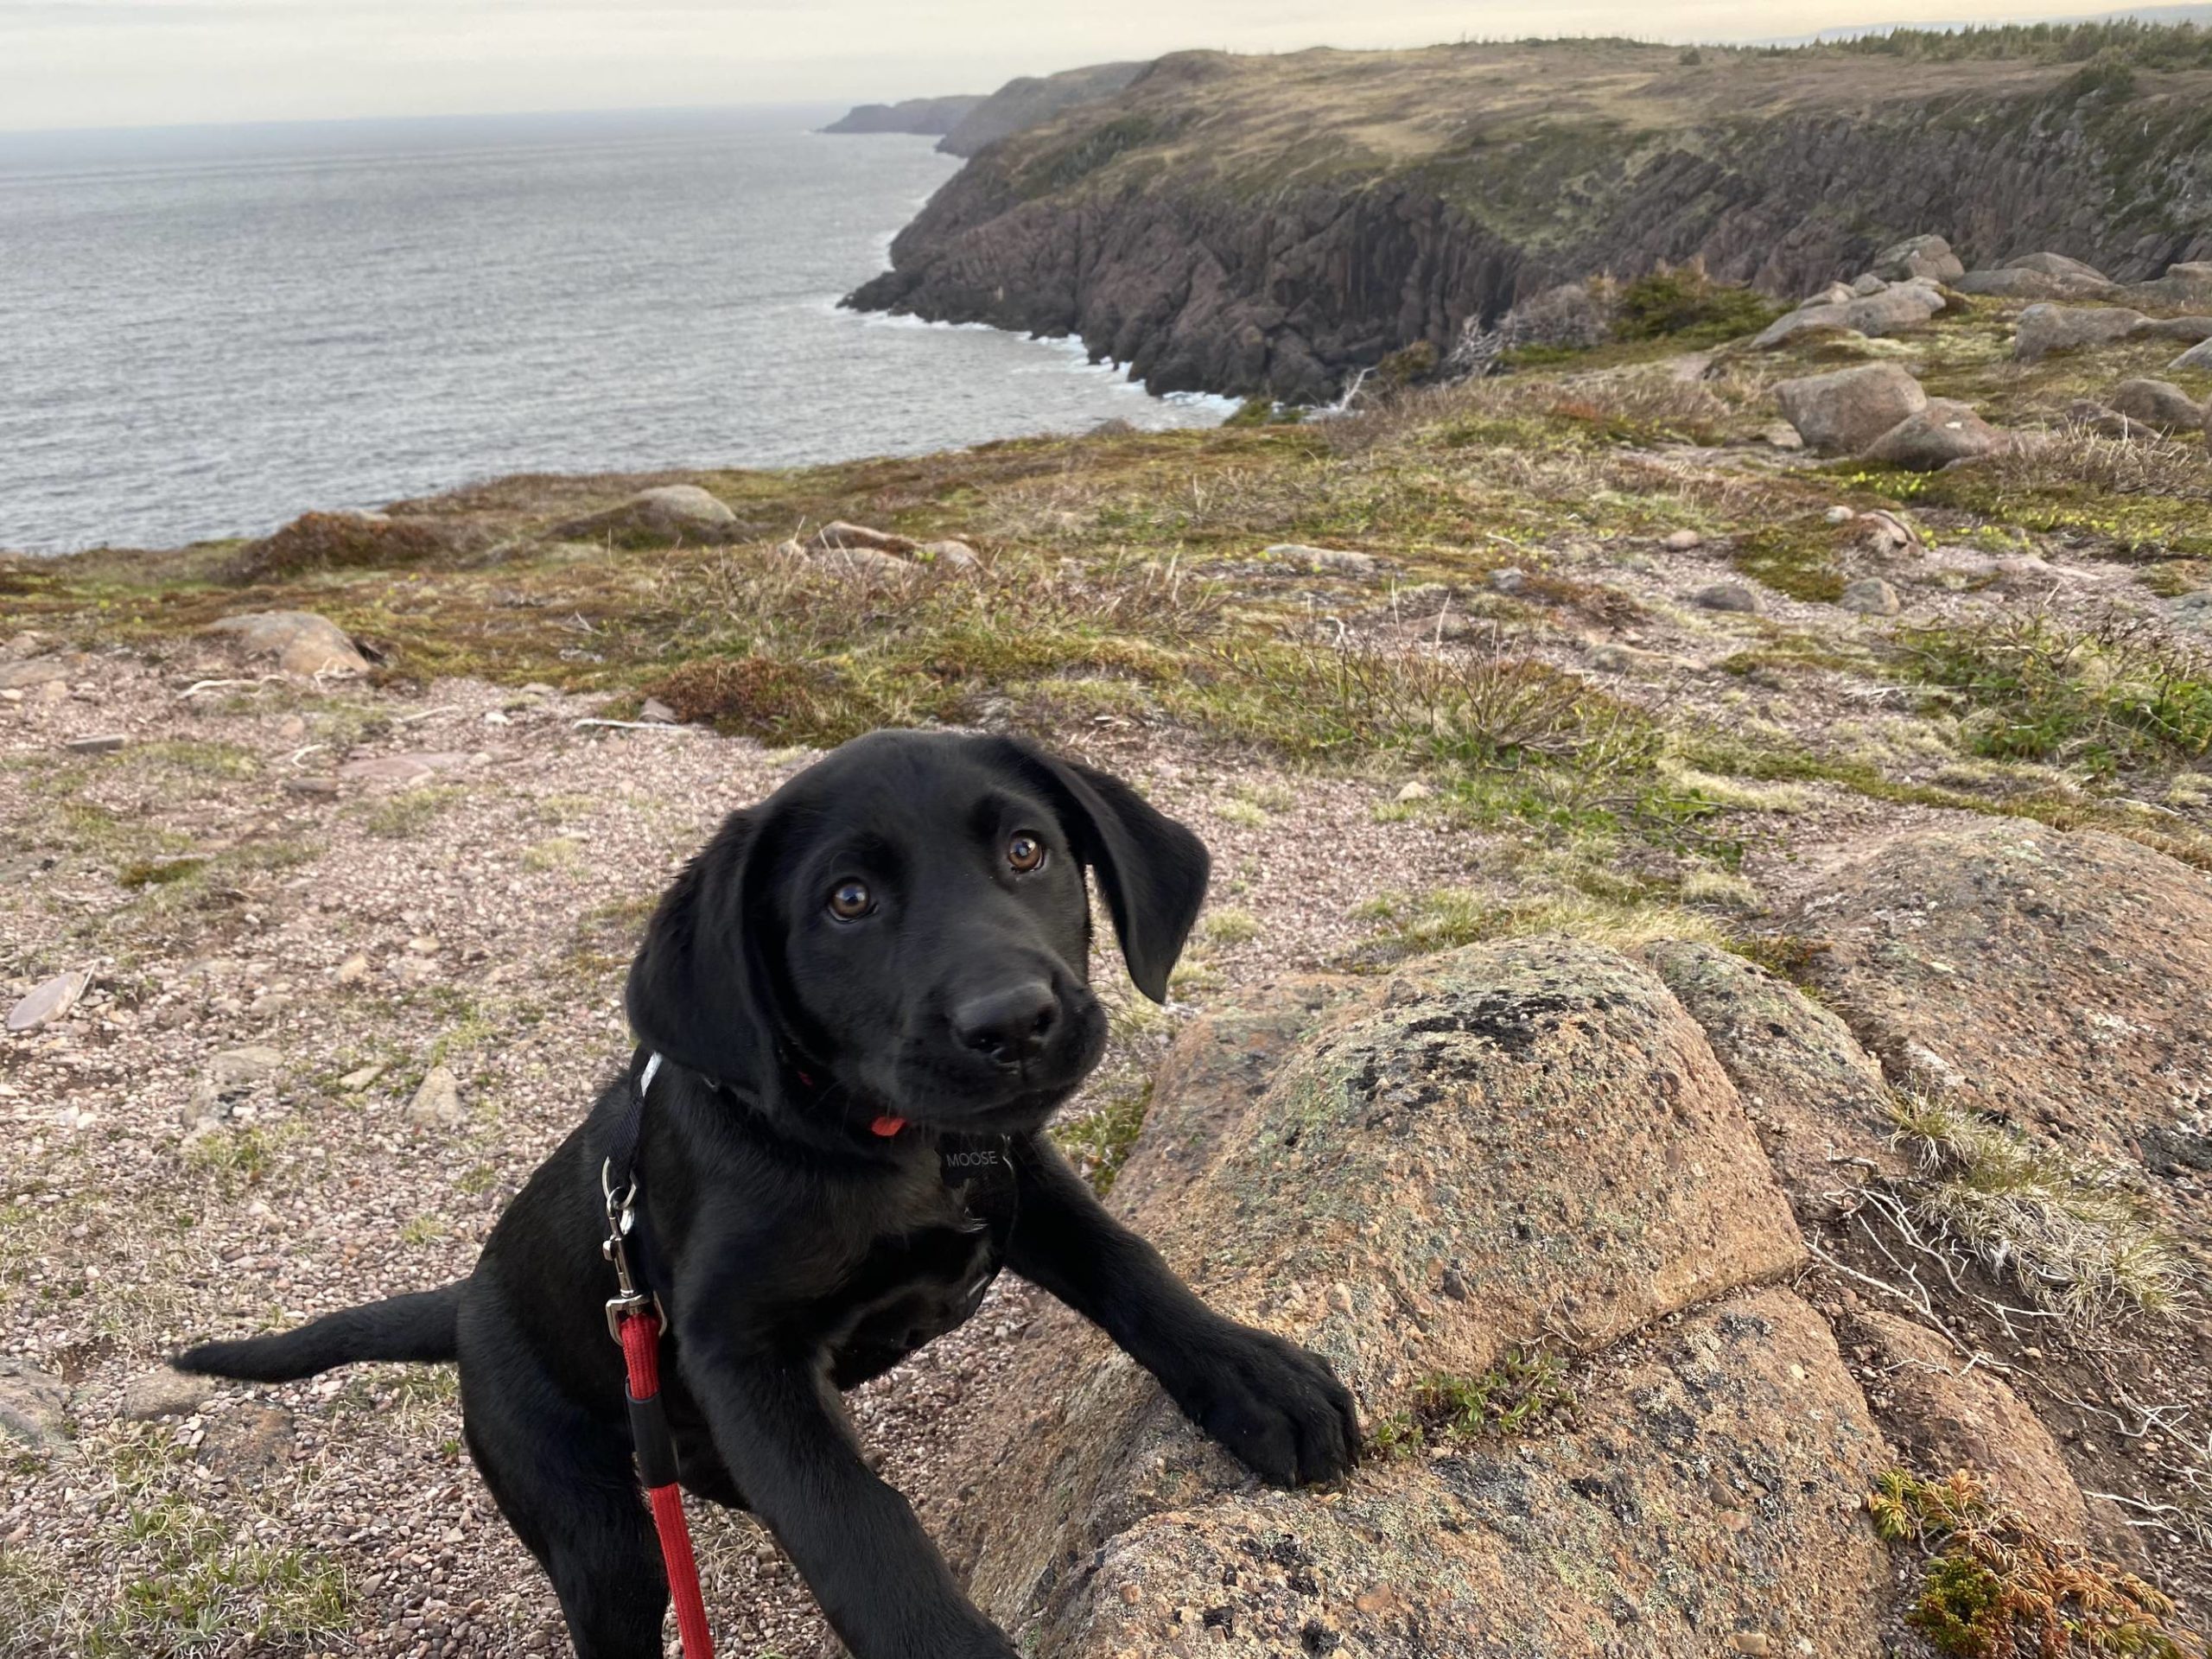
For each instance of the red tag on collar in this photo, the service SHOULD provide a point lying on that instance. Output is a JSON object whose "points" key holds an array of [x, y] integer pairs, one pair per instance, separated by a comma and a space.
{"points": [[887, 1126]]}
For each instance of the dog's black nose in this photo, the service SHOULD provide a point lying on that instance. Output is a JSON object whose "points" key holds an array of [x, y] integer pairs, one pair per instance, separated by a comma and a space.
{"points": [[1011, 1026]]}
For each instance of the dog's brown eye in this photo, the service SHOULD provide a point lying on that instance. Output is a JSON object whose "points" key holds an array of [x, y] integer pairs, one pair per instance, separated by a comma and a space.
{"points": [[1025, 853], [850, 900]]}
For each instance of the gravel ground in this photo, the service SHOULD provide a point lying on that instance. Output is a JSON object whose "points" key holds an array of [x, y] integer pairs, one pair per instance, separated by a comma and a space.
{"points": [[222, 1134]]}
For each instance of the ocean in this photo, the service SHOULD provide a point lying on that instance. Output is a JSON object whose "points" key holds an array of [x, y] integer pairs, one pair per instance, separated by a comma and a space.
{"points": [[206, 332]]}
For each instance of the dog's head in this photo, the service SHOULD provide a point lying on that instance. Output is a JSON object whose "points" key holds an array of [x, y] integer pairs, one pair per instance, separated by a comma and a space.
{"points": [[903, 929]]}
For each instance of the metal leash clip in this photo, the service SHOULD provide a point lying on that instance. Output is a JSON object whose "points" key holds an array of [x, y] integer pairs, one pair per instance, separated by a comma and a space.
{"points": [[620, 1214]]}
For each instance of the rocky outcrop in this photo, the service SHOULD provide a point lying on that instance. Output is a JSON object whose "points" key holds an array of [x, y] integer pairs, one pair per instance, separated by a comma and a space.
{"points": [[1237, 225], [926, 116], [2046, 329], [1513, 1146], [1030, 101]]}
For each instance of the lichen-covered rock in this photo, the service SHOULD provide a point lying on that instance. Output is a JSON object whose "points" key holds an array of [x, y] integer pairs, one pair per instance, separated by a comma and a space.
{"points": [[1510, 1145], [1818, 1100], [2062, 980], [1848, 409]]}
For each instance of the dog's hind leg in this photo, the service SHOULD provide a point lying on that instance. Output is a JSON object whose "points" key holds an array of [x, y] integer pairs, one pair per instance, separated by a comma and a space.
{"points": [[562, 1478]]}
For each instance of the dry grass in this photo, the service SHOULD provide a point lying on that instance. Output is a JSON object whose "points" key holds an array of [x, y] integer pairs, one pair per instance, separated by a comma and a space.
{"points": [[2075, 1239]]}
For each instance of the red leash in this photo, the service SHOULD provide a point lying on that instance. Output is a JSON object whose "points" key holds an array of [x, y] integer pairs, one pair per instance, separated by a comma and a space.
{"points": [[634, 1320], [641, 1332]]}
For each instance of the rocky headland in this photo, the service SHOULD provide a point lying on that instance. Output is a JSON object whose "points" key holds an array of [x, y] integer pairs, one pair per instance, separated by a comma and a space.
{"points": [[1273, 225]]}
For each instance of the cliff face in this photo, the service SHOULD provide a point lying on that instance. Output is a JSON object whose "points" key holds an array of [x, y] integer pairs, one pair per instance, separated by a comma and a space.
{"points": [[1246, 225]]}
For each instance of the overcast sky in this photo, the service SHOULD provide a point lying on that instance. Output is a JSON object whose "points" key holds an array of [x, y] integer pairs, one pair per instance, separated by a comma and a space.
{"points": [[98, 63]]}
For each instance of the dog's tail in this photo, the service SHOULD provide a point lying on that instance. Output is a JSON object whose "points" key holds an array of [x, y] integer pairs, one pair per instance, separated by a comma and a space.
{"points": [[421, 1326]]}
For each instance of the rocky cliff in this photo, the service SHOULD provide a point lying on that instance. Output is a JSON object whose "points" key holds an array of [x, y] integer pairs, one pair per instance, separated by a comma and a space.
{"points": [[1247, 225]]}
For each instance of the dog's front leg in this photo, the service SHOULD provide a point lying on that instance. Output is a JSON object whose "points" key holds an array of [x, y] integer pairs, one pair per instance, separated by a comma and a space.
{"points": [[880, 1581], [1276, 1406]]}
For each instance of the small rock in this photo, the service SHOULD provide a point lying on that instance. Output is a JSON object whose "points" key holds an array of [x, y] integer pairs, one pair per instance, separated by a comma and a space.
{"points": [[1884, 531], [2156, 404], [353, 969], [838, 535], [410, 768], [1416, 790], [236, 1069], [163, 1393], [1750, 1642], [1681, 541], [1509, 581], [1840, 515], [658, 712], [1780, 434], [298, 642], [1728, 596], [353, 1082], [437, 1103], [49, 1002], [254, 1441], [2045, 329], [1834, 293], [2196, 357], [37, 671], [108, 743], [1612, 658], [1871, 596], [1324, 561], [34, 1406], [1864, 285]]}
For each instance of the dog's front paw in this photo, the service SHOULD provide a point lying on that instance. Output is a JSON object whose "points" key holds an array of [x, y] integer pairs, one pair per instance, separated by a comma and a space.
{"points": [[1279, 1408]]}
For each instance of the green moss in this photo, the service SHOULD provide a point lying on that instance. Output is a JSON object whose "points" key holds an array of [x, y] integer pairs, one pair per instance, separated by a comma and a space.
{"points": [[1525, 1391], [1797, 558]]}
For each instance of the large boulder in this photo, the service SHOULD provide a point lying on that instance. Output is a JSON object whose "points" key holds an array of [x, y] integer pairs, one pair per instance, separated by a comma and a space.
{"points": [[2197, 358], [1510, 1147], [1918, 256], [2045, 329], [2060, 981], [1846, 411], [1945, 431], [2188, 330], [2159, 404], [668, 512], [1892, 310], [298, 642]]}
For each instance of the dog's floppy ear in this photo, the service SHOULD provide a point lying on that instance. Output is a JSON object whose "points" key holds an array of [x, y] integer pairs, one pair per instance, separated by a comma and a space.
{"points": [[1153, 869], [695, 993]]}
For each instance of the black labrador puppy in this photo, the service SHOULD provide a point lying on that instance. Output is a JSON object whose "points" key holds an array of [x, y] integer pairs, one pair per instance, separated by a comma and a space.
{"points": [[868, 992]]}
